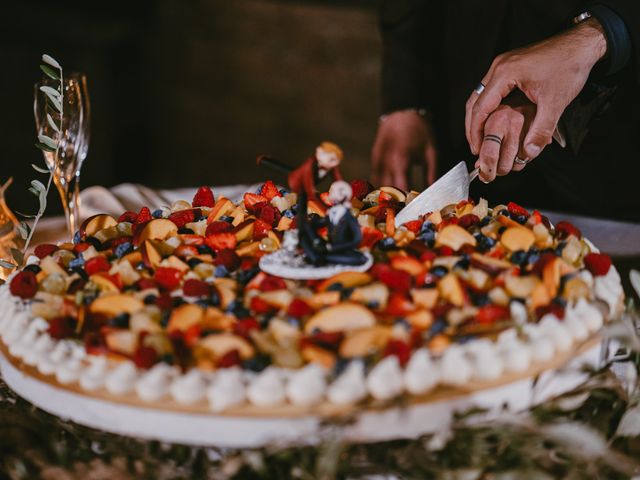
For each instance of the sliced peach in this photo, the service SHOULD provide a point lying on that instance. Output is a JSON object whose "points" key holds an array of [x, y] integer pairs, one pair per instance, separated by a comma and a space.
{"points": [[244, 231], [222, 207], [112, 305], [277, 298], [94, 224], [323, 299], [521, 286], [365, 341], [478, 279], [420, 319], [134, 258], [314, 354], [551, 276], [518, 238], [346, 279], [122, 341], [226, 294], [450, 289], [284, 224], [339, 318], [248, 249], [222, 343], [575, 288], [104, 284], [238, 215], [174, 262], [395, 193], [185, 316], [454, 237], [156, 229], [409, 264], [506, 221], [435, 218], [539, 297], [491, 265], [425, 297], [373, 294], [150, 254], [314, 206]]}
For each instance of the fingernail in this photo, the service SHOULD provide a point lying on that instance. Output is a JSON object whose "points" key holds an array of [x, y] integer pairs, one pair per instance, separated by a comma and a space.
{"points": [[532, 150]]}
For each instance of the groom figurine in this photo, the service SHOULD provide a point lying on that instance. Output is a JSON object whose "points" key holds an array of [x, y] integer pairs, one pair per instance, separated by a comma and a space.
{"points": [[326, 161]]}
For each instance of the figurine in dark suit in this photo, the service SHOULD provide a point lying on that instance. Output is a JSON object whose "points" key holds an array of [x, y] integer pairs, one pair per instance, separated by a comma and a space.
{"points": [[326, 161]]}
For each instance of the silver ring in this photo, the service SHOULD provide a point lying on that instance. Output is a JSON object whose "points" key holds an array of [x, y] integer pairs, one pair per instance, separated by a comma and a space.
{"points": [[480, 88], [520, 161]]}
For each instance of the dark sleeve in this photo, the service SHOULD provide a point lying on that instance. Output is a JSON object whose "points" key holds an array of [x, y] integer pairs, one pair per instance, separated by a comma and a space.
{"points": [[353, 238], [621, 22], [412, 35]]}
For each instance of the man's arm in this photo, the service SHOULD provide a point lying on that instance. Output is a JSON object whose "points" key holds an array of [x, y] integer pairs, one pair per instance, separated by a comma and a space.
{"points": [[621, 22]]}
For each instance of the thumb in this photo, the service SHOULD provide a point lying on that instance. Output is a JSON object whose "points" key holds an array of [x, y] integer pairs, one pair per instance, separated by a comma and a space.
{"points": [[541, 131]]}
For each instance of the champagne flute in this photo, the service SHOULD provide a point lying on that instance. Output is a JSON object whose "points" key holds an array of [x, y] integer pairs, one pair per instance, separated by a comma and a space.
{"points": [[65, 164]]}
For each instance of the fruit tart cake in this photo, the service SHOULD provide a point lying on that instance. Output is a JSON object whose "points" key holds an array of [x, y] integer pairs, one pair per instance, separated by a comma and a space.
{"points": [[169, 308]]}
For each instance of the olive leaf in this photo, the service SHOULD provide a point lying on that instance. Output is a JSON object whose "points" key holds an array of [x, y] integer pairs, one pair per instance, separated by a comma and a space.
{"points": [[55, 101], [6, 228], [17, 255], [52, 123], [6, 264], [49, 72], [48, 141], [40, 191], [51, 92], [39, 169], [44, 147], [48, 59], [23, 230]]}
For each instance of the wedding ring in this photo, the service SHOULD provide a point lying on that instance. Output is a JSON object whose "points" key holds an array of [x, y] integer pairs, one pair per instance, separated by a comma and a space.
{"points": [[520, 161], [480, 88], [493, 138]]}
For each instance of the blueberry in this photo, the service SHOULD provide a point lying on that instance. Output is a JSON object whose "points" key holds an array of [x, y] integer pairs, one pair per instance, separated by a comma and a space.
{"points": [[485, 221], [204, 249], [345, 294], [465, 339], [203, 302], [77, 238], [33, 268], [123, 249], [177, 301], [521, 219], [464, 262], [157, 214], [226, 218], [340, 366], [519, 257], [504, 212], [560, 248], [403, 323], [427, 225], [559, 301], [533, 256], [214, 299], [245, 276], [428, 237], [284, 191], [373, 305], [437, 327], [185, 231], [257, 363], [221, 271], [289, 213], [387, 243], [120, 321], [294, 322], [232, 305], [439, 271], [335, 287], [76, 263], [150, 299]]}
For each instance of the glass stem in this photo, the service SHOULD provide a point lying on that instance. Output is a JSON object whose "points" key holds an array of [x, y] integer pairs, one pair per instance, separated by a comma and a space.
{"points": [[66, 197]]}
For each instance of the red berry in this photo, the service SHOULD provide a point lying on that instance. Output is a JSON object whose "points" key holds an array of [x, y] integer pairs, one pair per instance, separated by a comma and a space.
{"points": [[516, 209], [96, 264], [396, 280], [445, 251], [115, 279], [260, 229], [545, 258], [328, 340], [564, 229], [146, 283], [272, 283], [269, 190], [399, 305], [45, 250], [269, 214], [230, 359], [413, 226], [244, 326], [220, 241], [490, 314], [145, 357], [229, 258], [182, 217], [552, 308], [128, 216], [167, 277], [218, 227], [164, 301], [24, 284], [144, 216], [468, 220], [61, 327], [299, 308], [192, 335], [428, 256], [119, 241], [370, 236], [260, 306], [196, 288], [252, 199], [360, 188], [185, 251], [203, 198], [81, 247], [400, 349], [597, 263]]}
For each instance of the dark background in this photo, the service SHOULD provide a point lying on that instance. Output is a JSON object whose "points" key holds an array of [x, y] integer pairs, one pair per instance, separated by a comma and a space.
{"points": [[188, 92]]}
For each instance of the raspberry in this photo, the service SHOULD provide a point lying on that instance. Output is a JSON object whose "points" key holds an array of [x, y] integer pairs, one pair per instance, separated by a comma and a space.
{"points": [[428, 256], [248, 263], [218, 227], [516, 209], [272, 283], [145, 357], [220, 241], [552, 308], [360, 188], [299, 308], [167, 277], [564, 229], [370, 236], [597, 263], [468, 220], [96, 264], [269, 190], [244, 326], [45, 250], [182, 217], [400, 349], [196, 288], [260, 229], [380, 215], [490, 314], [229, 258], [413, 226], [24, 284], [203, 198], [252, 199], [128, 216], [144, 216], [230, 359], [260, 306], [61, 327], [269, 214]]}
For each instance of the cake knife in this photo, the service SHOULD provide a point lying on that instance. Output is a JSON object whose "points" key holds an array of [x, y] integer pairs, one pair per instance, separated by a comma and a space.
{"points": [[452, 187]]}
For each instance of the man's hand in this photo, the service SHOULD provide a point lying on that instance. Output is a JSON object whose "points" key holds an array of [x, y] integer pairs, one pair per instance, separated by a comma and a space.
{"points": [[550, 73], [403, 137]]}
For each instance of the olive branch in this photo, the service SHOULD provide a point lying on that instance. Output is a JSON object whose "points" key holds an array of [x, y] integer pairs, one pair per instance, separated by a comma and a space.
{"points": [[54, 97]]}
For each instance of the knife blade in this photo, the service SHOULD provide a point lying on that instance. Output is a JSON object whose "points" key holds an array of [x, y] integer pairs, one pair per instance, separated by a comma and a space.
{"points": [[452, 187]]}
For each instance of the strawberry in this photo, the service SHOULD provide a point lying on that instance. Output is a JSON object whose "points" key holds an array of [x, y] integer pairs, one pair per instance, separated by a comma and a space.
{"points": [[220, 241], [61, 327], [128, 216], [565, 229], [552, 308], [196, 288], [490, 314], [192, 335], [269, 190], [468, 220], [182, 217], [252, 199], [145, 357], [400, 349], [535, 218], [299, 308], [185, 251], [445, 251], [260, 306], [230, 359], [428, 256], [370, 236], [597, 263], [229, 258], [203, 198], [260, 229], [272, 283], [396, 280], [167, 277], [24, 285], [516, 209], [144, 216], [448, 221], [44, 250], [218, 227], [414, 226], [398, 305], [192, 239], [269, 214], [360, 188], [96, 264], [81, 247], [244, 326]]}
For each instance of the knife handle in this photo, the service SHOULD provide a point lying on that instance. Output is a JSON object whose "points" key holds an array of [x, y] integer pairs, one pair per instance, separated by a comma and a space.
{"points": [[473, 174]]}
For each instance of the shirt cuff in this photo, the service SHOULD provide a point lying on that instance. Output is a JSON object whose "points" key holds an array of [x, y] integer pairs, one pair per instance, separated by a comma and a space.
{"points": [[618, 39]]}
